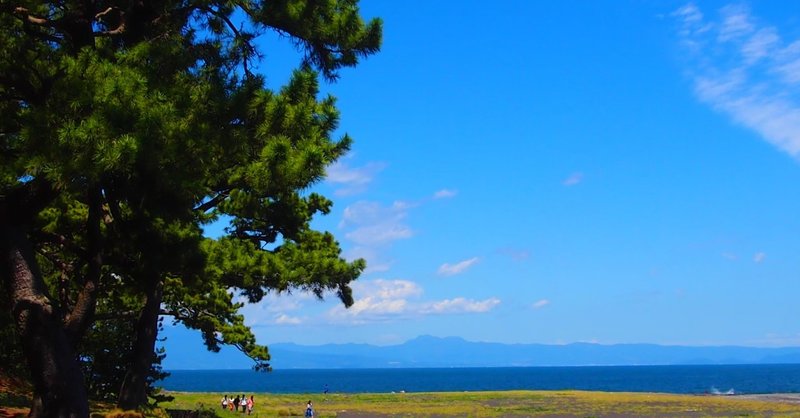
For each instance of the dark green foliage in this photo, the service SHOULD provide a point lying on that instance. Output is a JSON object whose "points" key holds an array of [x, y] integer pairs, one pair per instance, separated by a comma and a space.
{"points": [[105, 353], [127, 126], [104, 358]]}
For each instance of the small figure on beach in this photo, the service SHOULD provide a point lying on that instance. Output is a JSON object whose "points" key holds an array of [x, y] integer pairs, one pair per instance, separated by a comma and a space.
{"points": [[235, 404], [309, 409], [243, 403], [225, 402], [325, 390], [250, 404]]}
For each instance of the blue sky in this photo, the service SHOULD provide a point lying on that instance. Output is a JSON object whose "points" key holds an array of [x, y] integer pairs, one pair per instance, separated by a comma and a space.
{"points": [[555, 172]]}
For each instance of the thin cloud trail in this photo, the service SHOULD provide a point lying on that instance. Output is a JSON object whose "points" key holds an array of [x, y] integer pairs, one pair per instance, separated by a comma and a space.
{"points": [[742, 68]]}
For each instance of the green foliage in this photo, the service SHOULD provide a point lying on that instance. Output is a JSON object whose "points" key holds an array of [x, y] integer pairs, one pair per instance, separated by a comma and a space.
{"points": [[103, 356], [143, 122]]}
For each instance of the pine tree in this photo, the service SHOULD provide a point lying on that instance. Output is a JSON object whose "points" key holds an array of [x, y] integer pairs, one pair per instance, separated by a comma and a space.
{"points": [[128, 125]]}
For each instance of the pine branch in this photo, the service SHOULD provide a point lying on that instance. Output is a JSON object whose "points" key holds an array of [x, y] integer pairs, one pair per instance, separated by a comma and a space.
{"points": [[26, 16], [246, 47], [211, 203]]}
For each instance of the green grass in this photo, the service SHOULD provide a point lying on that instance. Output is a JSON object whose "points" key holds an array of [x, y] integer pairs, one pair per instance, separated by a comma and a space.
{"points": [[496, 404]]}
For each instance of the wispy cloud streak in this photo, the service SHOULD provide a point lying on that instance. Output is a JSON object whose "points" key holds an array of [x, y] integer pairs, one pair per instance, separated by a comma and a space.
{"points": [[457, 268], [352, 180], [541, 304], [375, 224], [743, 68], [445, 194], [573, 179]]}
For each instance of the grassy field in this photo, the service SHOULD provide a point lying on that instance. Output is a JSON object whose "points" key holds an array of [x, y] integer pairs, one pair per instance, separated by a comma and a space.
{"points": [[501, 404]]}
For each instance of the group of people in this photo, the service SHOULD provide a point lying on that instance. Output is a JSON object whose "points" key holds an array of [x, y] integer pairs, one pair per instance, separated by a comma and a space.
{"points": [[246, 404], [243, 402]]}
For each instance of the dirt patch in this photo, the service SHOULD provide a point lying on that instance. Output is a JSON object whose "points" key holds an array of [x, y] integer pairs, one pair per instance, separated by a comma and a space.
{"points": [[792, 398], [13, 412], [14, 397], [359, 414]]}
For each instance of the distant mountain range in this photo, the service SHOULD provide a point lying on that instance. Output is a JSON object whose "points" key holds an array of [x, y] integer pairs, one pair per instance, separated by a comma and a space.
{"points": [[427, 351]]}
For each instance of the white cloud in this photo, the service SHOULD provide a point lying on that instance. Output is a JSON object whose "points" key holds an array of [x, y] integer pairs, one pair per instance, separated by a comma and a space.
{"points": [[375, 261], [735, 22], [377, 300], [689, 14], [352, 180], [273, 308], [367, 212], [376, 306], [460, 305], [445, 194], [691, 20], [375, 224], [743, 69], [573, 179], [389, 300], [389, 289], [380, 233], [760, 45], [460, 267], [372, 227], [759, 257], [284, 319], [541, 304], [789, 63]]}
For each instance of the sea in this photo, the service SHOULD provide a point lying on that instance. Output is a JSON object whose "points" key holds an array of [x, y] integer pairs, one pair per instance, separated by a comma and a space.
{"points": [[694, 379]]}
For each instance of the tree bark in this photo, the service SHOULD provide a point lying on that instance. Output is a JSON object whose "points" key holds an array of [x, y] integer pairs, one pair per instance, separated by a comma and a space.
{"points": [[82, 314], [133, 394], [58, 386]]}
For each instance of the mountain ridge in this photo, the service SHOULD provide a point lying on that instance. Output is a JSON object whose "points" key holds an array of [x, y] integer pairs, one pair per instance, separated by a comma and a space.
{"points": [[429, 351]]}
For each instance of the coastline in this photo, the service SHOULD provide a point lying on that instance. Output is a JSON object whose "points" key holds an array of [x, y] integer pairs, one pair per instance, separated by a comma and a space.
{"points": [[679, 379]]}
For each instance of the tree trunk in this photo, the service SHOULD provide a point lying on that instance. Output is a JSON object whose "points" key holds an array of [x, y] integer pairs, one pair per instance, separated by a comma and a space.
{"points": [[58, 386], [133, 394]]}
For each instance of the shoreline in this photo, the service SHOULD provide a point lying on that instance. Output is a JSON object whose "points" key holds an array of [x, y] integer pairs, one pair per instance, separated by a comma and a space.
{"points": [[696, 380], [791, 396]]}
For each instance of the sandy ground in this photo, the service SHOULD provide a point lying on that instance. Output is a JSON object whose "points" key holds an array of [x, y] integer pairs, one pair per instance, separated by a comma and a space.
{"points": [[793, 398]]}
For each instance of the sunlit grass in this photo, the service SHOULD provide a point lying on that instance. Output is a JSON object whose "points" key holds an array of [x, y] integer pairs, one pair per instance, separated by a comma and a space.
{"points": [[497, 404]]}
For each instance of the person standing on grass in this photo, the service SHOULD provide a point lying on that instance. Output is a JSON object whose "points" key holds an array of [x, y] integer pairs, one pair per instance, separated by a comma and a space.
{"points": [[250, 403], [309, 409], [225, 402], [235, 404]]}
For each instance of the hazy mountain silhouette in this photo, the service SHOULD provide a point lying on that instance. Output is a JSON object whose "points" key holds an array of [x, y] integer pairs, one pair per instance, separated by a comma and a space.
{"points": [[427, 351]]}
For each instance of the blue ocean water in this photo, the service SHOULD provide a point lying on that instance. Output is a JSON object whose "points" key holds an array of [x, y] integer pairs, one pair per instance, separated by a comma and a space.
{"points": [[742, 379]]}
